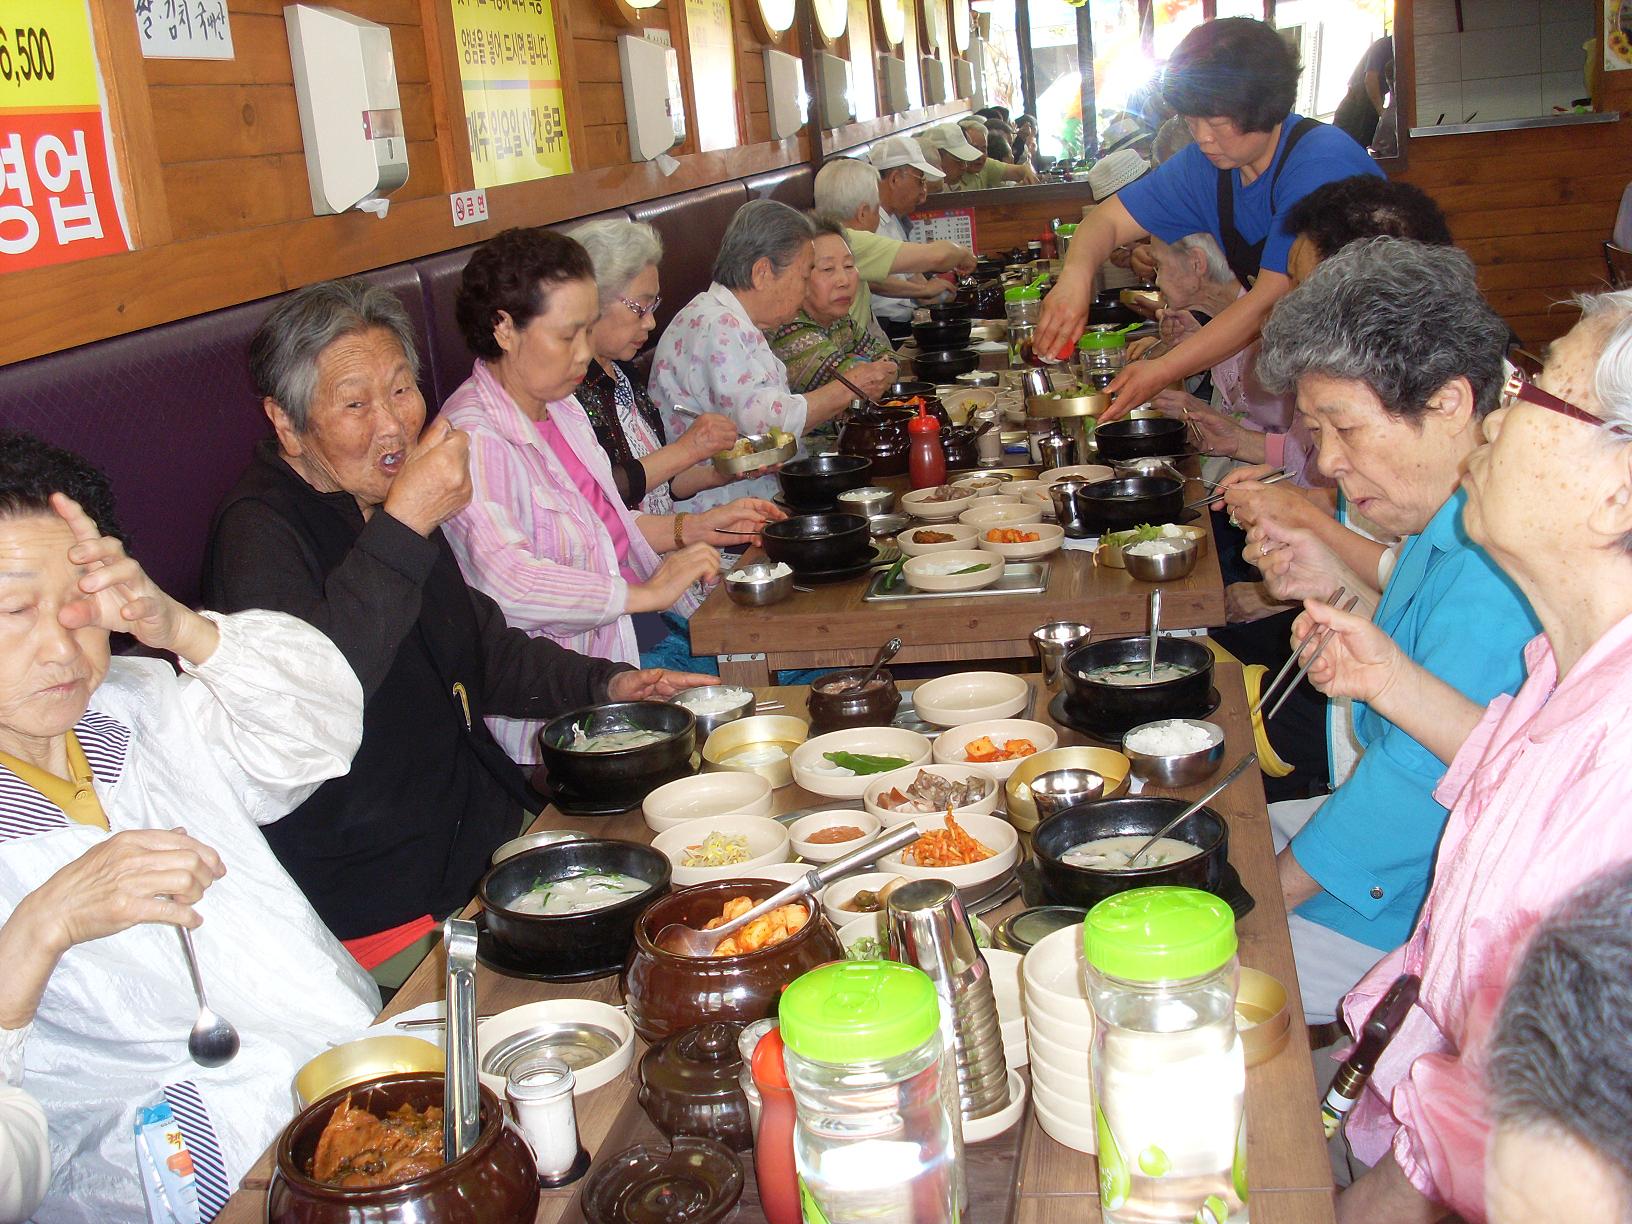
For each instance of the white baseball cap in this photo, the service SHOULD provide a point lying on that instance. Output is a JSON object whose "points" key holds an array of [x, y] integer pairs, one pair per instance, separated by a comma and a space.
{"points": [[949, 138], [1115, 171], [895, 151]]}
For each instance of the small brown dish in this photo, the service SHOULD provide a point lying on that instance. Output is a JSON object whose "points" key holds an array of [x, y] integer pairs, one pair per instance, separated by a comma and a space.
{"points": [[666, 993], [833, 708], [691, 1085], [495, 1181], [693, 1180]]}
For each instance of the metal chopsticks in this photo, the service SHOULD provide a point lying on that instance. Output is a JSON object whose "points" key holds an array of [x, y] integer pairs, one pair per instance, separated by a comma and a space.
{"points": [[1320, 639]]}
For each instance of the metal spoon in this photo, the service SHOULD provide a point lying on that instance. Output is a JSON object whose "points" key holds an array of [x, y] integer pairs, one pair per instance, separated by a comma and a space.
{"points": [[682, 940], [1155, 627], [461, 1106], [885, 653], [1240, 768], [213, 1040]]}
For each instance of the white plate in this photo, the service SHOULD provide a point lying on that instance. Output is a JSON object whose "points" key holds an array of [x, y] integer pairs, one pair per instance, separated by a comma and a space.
{"points": [[807, 759], [840, 891], [993, 832], [1050, 537], [963, 537], [973, 696], [1078, 471], [926, 573], [983, 515], [707, 794], [824, 852], [977, 1130], [915, 504]]}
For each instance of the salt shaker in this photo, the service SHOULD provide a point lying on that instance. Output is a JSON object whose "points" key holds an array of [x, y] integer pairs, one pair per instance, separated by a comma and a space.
{"points": [[540, 1094]]}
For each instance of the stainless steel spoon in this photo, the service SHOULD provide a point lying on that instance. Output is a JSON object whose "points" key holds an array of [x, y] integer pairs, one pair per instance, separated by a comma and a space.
{"points": [[213, 1041], [1240, 768], [886, 652], [1155, 627]]}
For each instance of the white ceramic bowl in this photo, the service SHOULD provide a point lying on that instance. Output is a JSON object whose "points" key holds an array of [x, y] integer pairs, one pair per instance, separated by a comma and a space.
{"points": [[993, 832], [931, 573], [963, 538], [767, 843], [978, 1130], [1078, 471], [1050, 1047], [840, 891], [973, 696], [917, 505], [494, 1031], [1068, 1099], [1052, 978], [808, 760], [783, 873], [884, 783], [1077, 1138], [824, 852], [1050, 538], [986, 486], [959, 402], [1005, 975], [984, 516], [1026, 488], [950, 746], [707, 794]]}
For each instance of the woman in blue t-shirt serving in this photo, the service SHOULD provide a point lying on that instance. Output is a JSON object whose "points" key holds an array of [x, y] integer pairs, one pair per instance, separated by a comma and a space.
{"points": [[1233, 81]]}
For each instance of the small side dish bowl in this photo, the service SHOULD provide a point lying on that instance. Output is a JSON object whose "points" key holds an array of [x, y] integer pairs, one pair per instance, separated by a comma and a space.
{"points": [[1261, 1016], [707, 794], [595, 1039], [1175, 768], [866, 826], [837, 894], [761, 745], [868, 500], [952, 747], [993, 832], [1012, 514], [872, 798], [759, 584], [816, 774], [767, 842], [963, 537], [1086, 472], [974, 696], [919, 504], [954, 572], [1050, 538]]}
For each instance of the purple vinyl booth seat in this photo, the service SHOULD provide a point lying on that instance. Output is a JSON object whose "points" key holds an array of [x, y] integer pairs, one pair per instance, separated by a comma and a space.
{"points": [[170, 414]]}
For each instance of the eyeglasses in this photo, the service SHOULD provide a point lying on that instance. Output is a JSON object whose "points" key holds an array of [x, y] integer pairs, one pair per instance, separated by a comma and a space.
{"points": [[1518, 387], [640, 312]]}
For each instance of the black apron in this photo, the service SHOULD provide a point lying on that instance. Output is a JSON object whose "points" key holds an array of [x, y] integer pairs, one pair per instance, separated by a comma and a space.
{"points": [[1243, 256]]}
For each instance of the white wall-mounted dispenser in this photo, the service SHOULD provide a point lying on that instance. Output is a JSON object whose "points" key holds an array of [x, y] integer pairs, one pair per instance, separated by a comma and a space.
{"points": [[833, 102], [933, 74], [963, 73], [785, 90], [892, 71], [350, 115], [651, 96]]}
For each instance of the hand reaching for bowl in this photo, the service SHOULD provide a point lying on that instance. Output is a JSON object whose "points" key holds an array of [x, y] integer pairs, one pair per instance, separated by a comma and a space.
{"points": [[725, 526], [1220, 434], [677, 571], [873, 377], [654, 684]]}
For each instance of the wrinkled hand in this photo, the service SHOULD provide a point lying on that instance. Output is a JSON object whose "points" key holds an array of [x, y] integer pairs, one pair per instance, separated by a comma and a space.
{"points": [[709, 434], [1249, 601], [676, 572], [1220, 435], [1250, 502], [1295, 563], [1175, 325], [121, 598], [135, 876], [1065, 313], [654, 684], [743, 514], [434, 484], [1136, 385], [873, 377], [1142, 261], [1360, 660]]}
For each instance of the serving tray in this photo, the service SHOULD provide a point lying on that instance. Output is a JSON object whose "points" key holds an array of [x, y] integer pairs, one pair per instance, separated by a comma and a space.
{"points": [[1019, 578]]}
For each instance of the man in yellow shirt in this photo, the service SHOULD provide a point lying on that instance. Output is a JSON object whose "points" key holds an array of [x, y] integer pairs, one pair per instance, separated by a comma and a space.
{"points": [[966, 167], [988, 171]]}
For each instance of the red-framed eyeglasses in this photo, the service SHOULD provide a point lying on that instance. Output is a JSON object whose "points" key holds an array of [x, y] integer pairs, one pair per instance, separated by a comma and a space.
{"points": [[1518, 387]]}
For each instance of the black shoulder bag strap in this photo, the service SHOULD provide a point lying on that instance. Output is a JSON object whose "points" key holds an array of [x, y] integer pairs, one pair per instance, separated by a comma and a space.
{"points": [[1243, 256]]}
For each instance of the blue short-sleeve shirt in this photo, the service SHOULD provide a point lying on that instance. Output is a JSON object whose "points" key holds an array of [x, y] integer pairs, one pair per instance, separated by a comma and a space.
{"points": [[1181, 196]]}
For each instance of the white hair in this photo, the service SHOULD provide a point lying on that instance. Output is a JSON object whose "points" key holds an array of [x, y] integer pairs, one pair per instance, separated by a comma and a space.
{"points": [[620, 251], [1218, 268], [844, 186], [1612, 379]]}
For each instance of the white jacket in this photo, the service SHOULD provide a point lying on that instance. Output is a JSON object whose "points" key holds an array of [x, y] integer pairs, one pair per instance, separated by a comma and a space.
{"points": [[233, 744]]}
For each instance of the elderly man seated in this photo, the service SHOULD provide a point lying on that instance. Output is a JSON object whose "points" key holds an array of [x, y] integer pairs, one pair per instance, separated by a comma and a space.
{"points": [[903, 178], [986, 171], [847, 191], [339, 522], [129, 800]]}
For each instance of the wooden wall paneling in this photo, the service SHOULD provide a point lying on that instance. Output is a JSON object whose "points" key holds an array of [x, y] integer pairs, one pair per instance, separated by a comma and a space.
{"points": [[130, 119], [446, 88]]}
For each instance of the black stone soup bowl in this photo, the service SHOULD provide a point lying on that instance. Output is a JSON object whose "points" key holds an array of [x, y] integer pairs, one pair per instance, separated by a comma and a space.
{"points": [[1129, 816], [812, 543], [626, 775]]}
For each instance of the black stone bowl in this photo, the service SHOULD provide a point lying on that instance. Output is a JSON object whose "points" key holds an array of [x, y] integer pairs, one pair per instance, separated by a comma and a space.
{"points": [[942, 366], [1109, 308], [1129, 816], [950, 334], [1118, 708], [815, 483], [906, 390], [1139, 438], [628, 775], [1128, 501], [947, 312], [811, 543], [560, 944]]}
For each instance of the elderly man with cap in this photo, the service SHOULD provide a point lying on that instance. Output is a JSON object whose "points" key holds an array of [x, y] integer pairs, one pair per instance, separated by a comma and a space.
{"points": [[848, 191], [986, 172], [903, 179]]}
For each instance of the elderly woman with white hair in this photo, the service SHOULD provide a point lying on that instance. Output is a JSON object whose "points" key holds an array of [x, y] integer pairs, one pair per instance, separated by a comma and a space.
{"points": [[1538, 782], [650, 472]]}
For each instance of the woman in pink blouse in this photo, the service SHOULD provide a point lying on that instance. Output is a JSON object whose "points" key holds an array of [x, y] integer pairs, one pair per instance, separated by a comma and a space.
{"points": [[546, 534], [1539, 783]]}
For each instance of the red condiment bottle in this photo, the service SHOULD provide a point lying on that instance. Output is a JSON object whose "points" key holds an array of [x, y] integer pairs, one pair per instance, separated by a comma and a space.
{"points": [[774, 1168], [926, 461]]}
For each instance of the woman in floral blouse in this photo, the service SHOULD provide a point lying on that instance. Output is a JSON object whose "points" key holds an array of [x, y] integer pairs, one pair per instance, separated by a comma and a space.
{"points": [[824, 340], [650, 472], [715, 355]]}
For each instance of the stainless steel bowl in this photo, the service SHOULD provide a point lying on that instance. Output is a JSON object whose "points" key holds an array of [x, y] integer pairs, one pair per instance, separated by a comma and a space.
{"points": [[884, 526], [758, 587], [1180, 768], [715, 718], [869, 500], [544, 837], [1165, 567]]}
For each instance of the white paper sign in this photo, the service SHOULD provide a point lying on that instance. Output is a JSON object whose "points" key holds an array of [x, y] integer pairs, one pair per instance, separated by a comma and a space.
{"points": [[952, 225], [184, 29]]}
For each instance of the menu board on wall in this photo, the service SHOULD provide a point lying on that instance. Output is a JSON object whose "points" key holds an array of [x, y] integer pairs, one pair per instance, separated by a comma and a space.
{"points": [[948, 225], [511, 77], [184, 29], [713, 72], [57, 198]]}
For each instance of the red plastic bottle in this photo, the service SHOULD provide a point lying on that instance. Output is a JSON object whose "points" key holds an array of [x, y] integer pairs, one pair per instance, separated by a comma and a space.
{"points": [[774, 1167], [926, 461]]}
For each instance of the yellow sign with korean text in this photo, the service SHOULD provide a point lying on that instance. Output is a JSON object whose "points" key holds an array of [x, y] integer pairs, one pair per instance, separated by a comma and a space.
{"points": [[510, 69]]}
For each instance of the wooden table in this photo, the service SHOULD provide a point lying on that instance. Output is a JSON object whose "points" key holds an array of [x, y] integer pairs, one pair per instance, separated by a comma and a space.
{"points": [[1023, 1177]]}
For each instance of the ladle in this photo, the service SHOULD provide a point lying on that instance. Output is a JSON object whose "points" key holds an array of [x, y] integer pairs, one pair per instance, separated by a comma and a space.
{"points": [[681, 940], [1240, 768]]}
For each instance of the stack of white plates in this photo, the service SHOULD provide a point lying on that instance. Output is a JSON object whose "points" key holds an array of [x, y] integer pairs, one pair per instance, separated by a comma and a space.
{"points": [[1060, 1031]]}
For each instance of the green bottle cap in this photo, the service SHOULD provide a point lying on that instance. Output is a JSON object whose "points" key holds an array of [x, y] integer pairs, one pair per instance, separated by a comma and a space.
{"points": [[1159, 934], [1022, 293], [859, 1011], [1096, 340]]}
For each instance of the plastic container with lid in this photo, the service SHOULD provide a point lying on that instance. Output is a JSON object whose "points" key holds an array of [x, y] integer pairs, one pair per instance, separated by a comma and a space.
{"points": [[878, 1136], [1168, 1070], [1101, 353], [1023, 305], [926, 459]]}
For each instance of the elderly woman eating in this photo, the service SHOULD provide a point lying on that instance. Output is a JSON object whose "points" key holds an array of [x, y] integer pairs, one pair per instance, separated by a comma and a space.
{"points": [[1395, 360], [545, 534], [129, 800], [1539, 782], [714, 353], [650, 473], [338, 521], [824, 339]]}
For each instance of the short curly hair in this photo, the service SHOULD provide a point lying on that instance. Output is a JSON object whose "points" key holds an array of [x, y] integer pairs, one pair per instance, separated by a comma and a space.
{"points": [[31, 470], [1235, 67], [1366, 206], [513, 273]]}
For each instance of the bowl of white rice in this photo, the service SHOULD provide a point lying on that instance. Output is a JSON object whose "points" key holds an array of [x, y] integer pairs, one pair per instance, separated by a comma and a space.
{"points": [[1174, 751]]}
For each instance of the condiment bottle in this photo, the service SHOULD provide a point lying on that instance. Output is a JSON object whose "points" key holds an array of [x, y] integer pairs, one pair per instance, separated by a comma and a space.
{"points": [[1381, 1025], [876, 1090], [540, 1095], [926, 461], [1023, 305], [773, 1142], [1169, 1078], [1101, 354]]}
